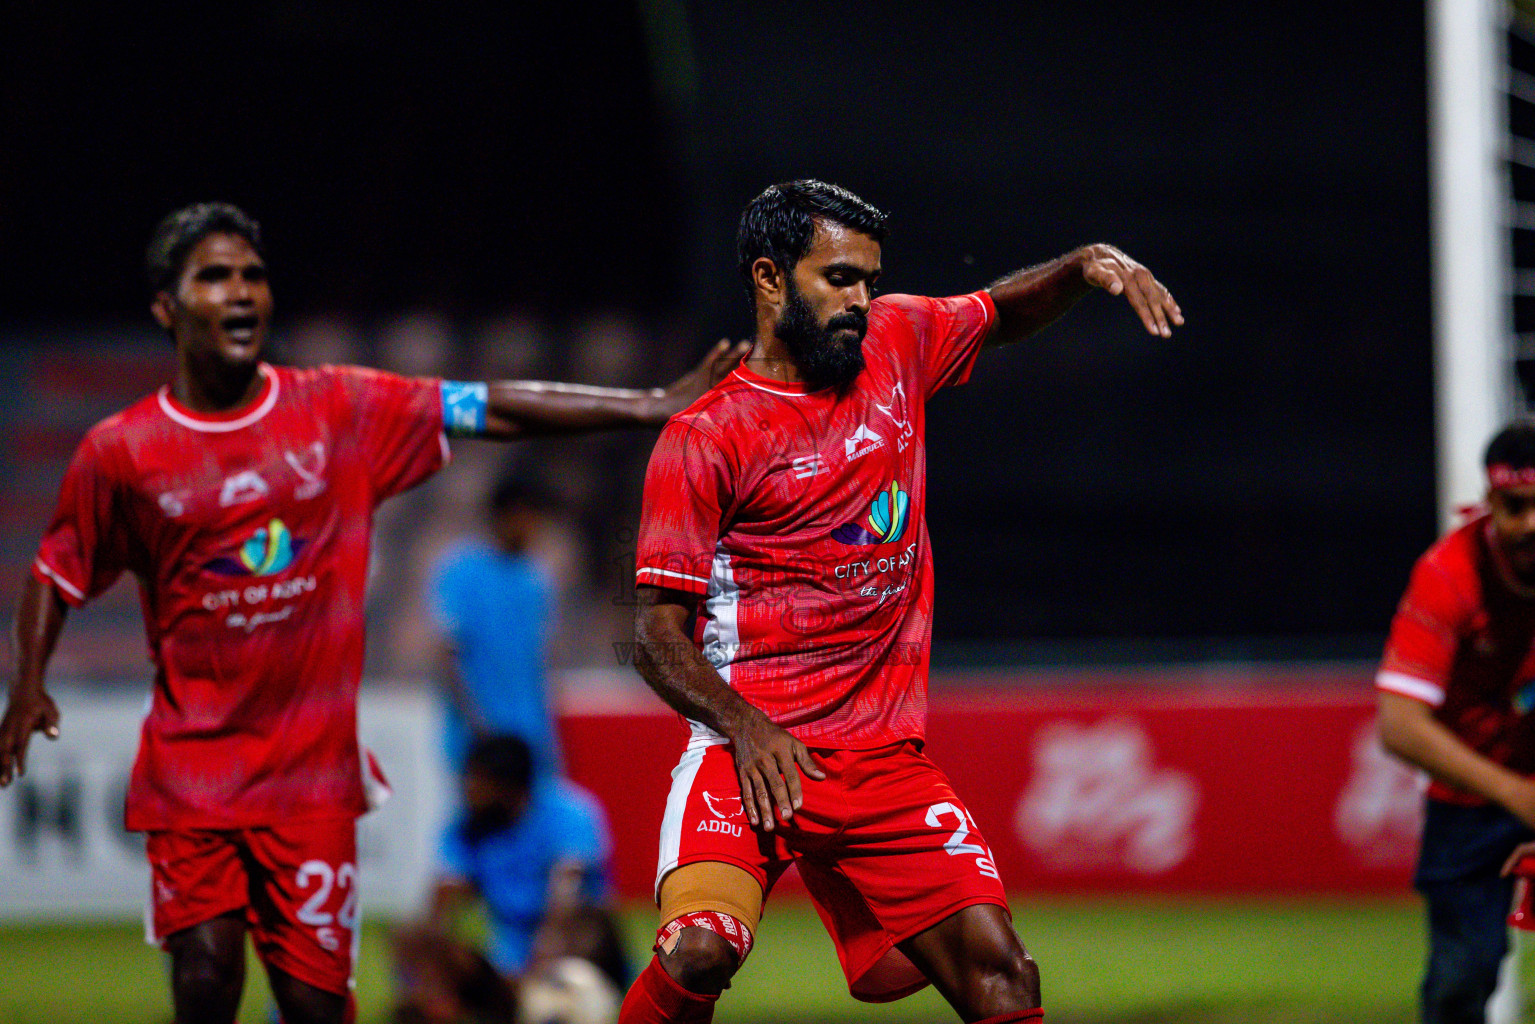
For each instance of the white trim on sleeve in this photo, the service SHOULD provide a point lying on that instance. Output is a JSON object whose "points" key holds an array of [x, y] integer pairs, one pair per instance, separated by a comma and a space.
{"points": [[986, 315], [1429, 693], [668, 572], [68, 587]]}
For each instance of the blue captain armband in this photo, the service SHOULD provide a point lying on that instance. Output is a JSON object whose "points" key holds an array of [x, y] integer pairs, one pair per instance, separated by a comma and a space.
{"points": [[463, 407]]}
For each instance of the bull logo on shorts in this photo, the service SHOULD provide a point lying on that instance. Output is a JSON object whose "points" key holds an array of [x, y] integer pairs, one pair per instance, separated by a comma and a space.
{"points": [[724, 807]]}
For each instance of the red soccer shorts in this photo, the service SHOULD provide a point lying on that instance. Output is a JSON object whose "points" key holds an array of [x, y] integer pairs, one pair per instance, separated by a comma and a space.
{"points": [[884, 846], [296, 883]]}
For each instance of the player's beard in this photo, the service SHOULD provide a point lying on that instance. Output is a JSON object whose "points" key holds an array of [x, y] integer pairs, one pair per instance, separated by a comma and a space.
{"points": [[823, 359]]}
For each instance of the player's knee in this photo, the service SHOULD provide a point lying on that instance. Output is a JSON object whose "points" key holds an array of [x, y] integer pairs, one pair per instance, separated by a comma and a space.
{"points": [[302, 1003], [207, 958], [700, 961], [1007, 977]]}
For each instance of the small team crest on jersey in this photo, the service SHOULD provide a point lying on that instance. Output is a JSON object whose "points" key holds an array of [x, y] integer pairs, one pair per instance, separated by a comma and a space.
{"points": [[886, 522], [269, 550]]}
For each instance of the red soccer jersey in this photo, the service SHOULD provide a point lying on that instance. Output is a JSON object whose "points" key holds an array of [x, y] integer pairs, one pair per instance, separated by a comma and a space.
{"points": [[249, 536], [799, 518], [1463, 642]]}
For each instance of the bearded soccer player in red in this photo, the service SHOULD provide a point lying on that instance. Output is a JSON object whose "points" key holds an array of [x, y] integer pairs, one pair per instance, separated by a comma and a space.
{"points": [[786, 595], [1455, 693], [241, 495]]}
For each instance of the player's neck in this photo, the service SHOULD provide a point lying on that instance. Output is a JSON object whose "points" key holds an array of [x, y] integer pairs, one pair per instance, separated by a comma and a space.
{"points": [[770, 358], [217, 389]]}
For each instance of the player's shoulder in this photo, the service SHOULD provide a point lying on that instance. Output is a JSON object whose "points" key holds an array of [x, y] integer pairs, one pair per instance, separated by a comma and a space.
{"points": [[1452, 564], [301, 379], [573, 802], [457, 563], [110, 434], [911, 312], [718, 414]]}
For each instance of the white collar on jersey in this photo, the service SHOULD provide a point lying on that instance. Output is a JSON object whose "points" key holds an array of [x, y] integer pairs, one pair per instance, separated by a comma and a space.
{"points": [[187, 418]]}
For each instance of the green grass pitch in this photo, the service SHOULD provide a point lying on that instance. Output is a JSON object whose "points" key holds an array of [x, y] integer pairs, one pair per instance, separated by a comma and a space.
{"points": [[1122, 961]]}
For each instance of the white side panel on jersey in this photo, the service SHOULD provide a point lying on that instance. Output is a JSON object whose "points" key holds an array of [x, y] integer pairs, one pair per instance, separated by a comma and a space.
{"points": [[722, 631], [676, 804], [722, 635]]}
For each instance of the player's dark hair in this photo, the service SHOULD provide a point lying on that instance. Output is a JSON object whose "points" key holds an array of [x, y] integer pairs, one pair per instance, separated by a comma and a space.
{"points": [[503, 758], [1513, 446], [180, 231], [780, 223]]}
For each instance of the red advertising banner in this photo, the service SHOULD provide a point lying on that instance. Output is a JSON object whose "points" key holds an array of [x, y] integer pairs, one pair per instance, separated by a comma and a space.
{"points": [[1117, 783]]}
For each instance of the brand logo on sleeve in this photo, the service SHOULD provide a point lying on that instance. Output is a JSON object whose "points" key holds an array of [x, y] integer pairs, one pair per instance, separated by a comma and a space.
{"points": [[886, 522], [267, 551]]}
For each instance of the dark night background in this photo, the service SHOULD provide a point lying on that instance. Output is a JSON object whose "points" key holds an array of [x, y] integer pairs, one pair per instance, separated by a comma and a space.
{"points": [[1256, 487]]}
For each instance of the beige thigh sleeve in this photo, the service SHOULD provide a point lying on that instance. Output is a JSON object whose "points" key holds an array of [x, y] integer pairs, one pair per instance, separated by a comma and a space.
{"points": [[713, 886]]}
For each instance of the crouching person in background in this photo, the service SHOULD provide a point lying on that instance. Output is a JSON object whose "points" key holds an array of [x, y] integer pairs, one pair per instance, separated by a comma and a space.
{"points": [[535, 855]]}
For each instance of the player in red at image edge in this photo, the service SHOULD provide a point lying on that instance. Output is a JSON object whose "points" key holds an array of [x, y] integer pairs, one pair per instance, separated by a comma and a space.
{"points": [[241, 495], [785, 602], [1455, 691]]}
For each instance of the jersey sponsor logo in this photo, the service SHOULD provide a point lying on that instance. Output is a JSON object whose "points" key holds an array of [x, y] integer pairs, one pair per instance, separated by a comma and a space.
{"points": [[807, 466], [269, 550], [1097, 800], [1379, 814], [243, 487], [869, 567], [309, 464], [724, 807], [896, 410], [886, 522], [862, 442]]}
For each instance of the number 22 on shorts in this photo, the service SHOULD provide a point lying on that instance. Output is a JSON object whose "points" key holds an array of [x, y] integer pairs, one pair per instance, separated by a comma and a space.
{"points": [[956, 844], [328, 879]]}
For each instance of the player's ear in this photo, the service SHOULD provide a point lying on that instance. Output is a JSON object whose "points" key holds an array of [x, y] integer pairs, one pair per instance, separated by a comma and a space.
{"points": [[768, 280], [163, 308]]}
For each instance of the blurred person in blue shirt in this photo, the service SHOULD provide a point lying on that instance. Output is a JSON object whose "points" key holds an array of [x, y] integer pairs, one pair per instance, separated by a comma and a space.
{"points": [[494, 607], [534, 852]]}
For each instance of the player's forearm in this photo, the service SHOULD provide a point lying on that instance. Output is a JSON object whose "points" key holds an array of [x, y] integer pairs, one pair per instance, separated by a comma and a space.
{"points": [[674, 668], [1033, 298], [39, 619], [1409, 730], [519, 408]]}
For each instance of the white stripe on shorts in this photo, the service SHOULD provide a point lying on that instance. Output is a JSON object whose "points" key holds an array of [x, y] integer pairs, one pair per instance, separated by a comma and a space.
{"points": [[676, 804]]}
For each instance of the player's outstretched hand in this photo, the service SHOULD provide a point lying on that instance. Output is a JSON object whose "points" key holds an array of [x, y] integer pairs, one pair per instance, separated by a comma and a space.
{"points": [[1106, 267], [28, 712], [716, 364], [768, 763]]}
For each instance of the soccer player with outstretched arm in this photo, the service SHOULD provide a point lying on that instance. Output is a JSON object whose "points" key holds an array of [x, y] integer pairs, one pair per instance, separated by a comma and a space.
{"points": [[241, 496], [785, 602], [1455, 691]]}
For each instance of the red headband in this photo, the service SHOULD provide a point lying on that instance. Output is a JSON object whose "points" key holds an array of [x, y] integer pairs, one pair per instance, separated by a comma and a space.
{"points": [[1501, 474]]}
